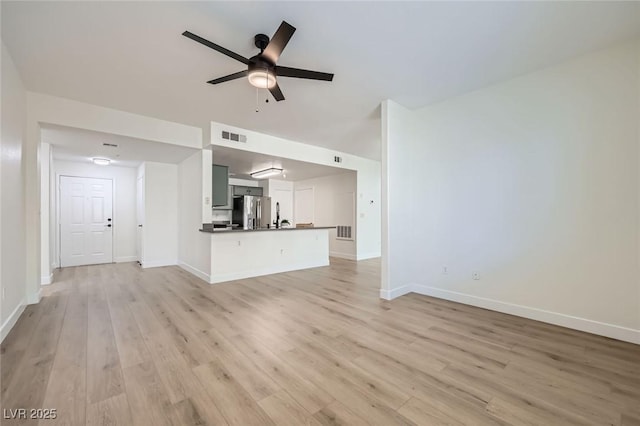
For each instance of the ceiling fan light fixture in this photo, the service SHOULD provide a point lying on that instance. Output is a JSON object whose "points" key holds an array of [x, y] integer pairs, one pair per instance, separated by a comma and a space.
{"points": [[262, 78], [272, 171]]}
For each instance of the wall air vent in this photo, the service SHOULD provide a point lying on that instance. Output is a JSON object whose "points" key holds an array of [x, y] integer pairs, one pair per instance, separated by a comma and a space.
{"points": [[235, 137], [343, 233], [337, 159], [112, 145]]}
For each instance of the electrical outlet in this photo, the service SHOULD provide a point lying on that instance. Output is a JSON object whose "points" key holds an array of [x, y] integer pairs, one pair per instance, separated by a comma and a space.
{"points": [[239, 243], [475, 276], [281, 251], [445, 270]]}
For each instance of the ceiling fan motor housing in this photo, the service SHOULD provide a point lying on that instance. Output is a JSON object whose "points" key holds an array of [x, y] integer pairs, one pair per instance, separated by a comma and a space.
{"points": [[261, 41], [258, 63]]}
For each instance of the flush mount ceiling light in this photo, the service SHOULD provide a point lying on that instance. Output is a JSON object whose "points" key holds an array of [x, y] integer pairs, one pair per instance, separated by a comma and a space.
{"points": [[272, 171], [101, 161]]}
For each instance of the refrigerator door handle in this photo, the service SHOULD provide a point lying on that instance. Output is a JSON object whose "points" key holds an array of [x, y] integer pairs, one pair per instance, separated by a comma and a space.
{"points": [[259, 213]]}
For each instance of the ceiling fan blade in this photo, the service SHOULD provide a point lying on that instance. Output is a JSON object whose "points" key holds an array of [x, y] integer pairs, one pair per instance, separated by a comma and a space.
{"points": [[229, 77], [214, 46], [298, 73], [277, 93], [278, 42]]}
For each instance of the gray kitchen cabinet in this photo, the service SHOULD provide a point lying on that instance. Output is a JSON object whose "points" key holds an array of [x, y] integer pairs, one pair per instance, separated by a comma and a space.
{"points": [[247, 190], [220, 185]]}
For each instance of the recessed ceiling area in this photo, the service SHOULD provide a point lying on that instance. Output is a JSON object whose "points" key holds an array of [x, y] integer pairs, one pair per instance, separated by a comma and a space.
{"points": [[71, 144], [131, 56], [242, 163]]}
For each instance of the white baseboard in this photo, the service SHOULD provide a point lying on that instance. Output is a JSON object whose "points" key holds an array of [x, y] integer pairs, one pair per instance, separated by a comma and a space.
{"points": [[123, 259], [12, 319], [396, 292], [366, 256], [276, 269], [347, 256], [194, 271], [158, 263], [46, 279], [576, 323]]}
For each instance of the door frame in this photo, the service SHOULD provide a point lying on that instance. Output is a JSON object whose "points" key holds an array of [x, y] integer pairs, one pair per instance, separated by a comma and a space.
{"points": [[114, 229]]}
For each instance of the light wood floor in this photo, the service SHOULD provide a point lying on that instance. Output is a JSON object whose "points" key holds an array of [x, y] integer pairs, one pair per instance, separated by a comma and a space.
{"points": [[116, 345]]}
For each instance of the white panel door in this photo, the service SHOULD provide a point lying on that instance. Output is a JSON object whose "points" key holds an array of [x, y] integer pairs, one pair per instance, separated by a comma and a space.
{"points": [[86, 221], [304, 205], [285, 198]]}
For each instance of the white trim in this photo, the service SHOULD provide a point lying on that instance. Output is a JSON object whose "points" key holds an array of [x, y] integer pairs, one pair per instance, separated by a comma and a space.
{"points": [[122, 259], [396, 292], [367, 256], [12, 319], [194, 271], [46, 280], [158, 263], [576, 323], [347, 256], [219, 278]]}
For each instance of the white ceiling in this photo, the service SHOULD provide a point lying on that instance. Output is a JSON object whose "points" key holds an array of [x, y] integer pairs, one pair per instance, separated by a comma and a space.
{"points": [[72, 144], [242, 163], [131, 56]]}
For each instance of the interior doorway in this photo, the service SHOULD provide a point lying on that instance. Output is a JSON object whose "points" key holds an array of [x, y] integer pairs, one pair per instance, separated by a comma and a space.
{"points": [[139, 217], [86, 221]]}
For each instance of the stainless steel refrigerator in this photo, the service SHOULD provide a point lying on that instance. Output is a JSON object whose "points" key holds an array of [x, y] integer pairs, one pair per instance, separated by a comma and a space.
{"points": [[252, 212]]}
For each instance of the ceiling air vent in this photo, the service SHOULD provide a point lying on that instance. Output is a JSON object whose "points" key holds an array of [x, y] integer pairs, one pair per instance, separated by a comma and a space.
{"points": [[337, 159], [112, 145], [235, 137]]}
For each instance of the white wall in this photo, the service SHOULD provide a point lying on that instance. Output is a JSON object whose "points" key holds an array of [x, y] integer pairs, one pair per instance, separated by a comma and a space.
{"points": [[13, 293], [532, 183], [160, 230], [124, 203], [402, 198], [46, 270], [334, 196], [194, 247], [368, 219], [66, 112]]}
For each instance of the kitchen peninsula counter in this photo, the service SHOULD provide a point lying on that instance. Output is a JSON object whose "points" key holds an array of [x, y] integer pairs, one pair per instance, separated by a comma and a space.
{"points": [[244, 253], [221, 230]]}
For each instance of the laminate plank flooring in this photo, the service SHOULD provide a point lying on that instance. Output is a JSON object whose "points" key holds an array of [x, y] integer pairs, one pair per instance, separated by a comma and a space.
{"points": [[118, 345]]}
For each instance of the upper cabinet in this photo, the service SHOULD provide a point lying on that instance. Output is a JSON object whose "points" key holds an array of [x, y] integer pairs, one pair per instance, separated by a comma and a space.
{"points": [[220, 185], [247, 190]]}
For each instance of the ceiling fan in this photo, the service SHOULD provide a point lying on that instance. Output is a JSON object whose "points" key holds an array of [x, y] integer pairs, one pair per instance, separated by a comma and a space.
{"points": [[262, 70]]}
